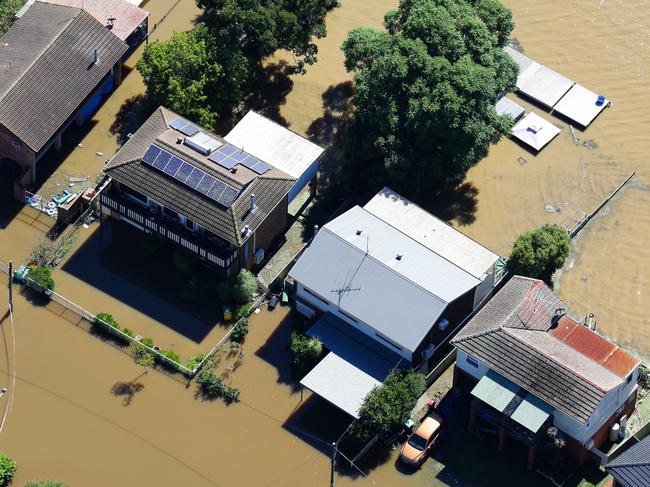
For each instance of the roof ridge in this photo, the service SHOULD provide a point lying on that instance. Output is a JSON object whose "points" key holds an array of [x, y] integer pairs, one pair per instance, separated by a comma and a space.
{"points": [[553, 359], [475, 335], [420, 244], [368, 254], [47, 48], [119, 164]]}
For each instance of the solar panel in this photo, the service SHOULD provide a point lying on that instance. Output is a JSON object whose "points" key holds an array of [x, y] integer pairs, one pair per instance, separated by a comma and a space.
{"points": [[206, 184], [261, 167], [249, 161], [162, 160], [184, 127], [150, 156], [194, 178], [184, 171], [191, 176], [173, 166], [222, 159], [228, 196], [228, 150], [239, 156]]}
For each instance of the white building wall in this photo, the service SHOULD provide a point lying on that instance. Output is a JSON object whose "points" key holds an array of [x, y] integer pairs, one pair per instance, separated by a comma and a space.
{"points": [[325, 306], [469, 367]]}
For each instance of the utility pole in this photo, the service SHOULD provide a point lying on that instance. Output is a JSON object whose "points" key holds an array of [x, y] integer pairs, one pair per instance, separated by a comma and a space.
{"points": [[333, 462], [11, 275]]}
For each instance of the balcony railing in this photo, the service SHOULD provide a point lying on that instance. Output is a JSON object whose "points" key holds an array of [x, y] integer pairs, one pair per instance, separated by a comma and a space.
{"points": [[194, 243]]}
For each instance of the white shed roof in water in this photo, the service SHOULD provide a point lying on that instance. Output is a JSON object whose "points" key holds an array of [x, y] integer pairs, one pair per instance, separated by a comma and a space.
{"points": [[534, 131], [579, 105], [274, 144], [431, 232]]}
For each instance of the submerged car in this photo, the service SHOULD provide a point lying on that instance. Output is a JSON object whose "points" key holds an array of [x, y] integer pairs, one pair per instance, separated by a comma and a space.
{"points": [[416, 448]]}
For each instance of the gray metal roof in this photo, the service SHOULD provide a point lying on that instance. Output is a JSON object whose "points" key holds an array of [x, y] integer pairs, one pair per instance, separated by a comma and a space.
{"points": [[511, 336], [360, 272], [632, 467], [50, 55], [127, 168], [349, 372], [505, 106]]}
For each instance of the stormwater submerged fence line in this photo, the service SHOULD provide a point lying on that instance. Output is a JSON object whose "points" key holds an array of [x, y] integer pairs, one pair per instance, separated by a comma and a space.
{"points": [[124, 337]]}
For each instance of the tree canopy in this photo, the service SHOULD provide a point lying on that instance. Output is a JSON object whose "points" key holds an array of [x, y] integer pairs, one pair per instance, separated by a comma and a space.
{"points": [[540, 252], [186, 75], [261, 27], [387, 407], [245, 286], [8, 9], [44, 483], [426, 89]]}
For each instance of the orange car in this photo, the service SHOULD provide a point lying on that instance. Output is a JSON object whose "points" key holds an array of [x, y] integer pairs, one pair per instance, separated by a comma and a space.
{"points": [[415, 450]]}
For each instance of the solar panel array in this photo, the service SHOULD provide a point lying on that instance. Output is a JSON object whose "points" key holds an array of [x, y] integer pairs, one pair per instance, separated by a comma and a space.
{"points": [[229, 156], [191, 176], [184, 127]]}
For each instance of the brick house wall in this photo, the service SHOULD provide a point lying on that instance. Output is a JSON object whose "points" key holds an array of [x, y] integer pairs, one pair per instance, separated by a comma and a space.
{"points": [[23, 155], [273, 225]]}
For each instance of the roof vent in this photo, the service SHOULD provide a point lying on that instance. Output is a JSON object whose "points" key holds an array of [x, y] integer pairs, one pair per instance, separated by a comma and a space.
{"points": [[398, 256], [590, 321], [251, 205], [179, 140], [111, 23], [559, 312], [358, 232], [95, 58], [245, 231]]}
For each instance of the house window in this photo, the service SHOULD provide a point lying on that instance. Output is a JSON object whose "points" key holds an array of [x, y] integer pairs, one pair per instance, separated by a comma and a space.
{"points": [[629, 378], [170, 213], [189, 224], [134, 194], [15, 141], [314, 295], [472, 361]]}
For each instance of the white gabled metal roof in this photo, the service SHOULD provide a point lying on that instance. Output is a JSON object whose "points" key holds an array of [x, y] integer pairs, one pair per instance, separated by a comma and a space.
{"points": [[274, 144], [353, 262], [432, 233], [579, 104]]}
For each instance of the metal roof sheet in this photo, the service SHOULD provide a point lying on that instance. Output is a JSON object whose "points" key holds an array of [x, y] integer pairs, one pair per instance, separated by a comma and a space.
{"points": [[431, 232], [350, 371], [532, 413], [632, 467], [535, 131], [274, 144], [505, 106], [579, 105], [495, 390]]}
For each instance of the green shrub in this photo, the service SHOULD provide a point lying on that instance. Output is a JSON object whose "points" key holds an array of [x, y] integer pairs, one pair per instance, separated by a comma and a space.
{"points": [[147, 342], [643, 379], [230, 394], [44, 483], [128, 332], [194, 361], [7, 469], [183, 263], [108, 319], [305, 351], [224, 290], [42, 275], [245, 286], [388, 406], [211, 386], [243, 310], [238, 335], [171, 355], [540, 252]]}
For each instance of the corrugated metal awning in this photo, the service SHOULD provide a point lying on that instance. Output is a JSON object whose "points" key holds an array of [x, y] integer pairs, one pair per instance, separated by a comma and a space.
{"points": [[495, 390], [532, 413], [349, 372]]}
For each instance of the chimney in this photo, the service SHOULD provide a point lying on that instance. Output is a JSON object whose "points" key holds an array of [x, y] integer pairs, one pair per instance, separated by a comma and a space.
{"points": [[251, 205], [245, 231]]}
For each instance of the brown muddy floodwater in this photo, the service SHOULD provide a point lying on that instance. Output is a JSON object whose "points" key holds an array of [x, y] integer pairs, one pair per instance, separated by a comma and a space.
{"points": [[604, 45]]}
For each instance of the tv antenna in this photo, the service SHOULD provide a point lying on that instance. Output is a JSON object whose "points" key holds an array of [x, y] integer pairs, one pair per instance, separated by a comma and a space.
{"points": [[345, 289]]}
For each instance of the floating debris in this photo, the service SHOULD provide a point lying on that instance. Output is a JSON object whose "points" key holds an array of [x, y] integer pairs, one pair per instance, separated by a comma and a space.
{"points": [[552, 209], [100, 154], [590, 144], [81, 146]]}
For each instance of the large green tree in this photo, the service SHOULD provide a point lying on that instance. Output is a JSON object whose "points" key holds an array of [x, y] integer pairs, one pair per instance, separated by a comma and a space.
{"points": [[540, 252], [8, 9], [192, 76], [261, 27], [426, 89]]}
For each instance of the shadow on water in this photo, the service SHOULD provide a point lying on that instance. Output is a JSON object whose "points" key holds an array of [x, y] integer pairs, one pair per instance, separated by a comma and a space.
{"points": [[275, 351], [337, 107], [130, 117], [121, 274], [127, 390], [459, 203]]}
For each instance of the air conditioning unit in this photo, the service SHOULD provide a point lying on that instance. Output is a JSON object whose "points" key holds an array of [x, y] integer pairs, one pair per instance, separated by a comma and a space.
{"points": [[259, 256], [442, 326], [427, 353]]}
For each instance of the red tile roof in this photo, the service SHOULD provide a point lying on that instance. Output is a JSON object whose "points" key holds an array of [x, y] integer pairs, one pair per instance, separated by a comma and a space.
{"points": [[127, 16], [592, 345]]}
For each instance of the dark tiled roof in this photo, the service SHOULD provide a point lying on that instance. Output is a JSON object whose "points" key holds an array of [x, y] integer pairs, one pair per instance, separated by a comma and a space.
{"points": [[52, 71], [632, 467], [126, 167], [510, 335]]}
